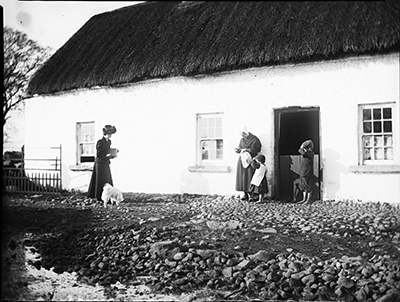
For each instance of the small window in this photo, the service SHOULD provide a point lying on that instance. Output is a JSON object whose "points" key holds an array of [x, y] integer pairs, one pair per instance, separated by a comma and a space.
{"points": [[377, 134], [86, 144], [209, 137]]}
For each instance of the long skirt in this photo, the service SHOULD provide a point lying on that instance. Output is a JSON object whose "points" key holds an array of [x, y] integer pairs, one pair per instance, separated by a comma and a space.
{"points": [[243, 177], [100, 176]]}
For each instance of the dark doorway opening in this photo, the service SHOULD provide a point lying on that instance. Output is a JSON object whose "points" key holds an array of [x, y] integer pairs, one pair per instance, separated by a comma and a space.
{"points": [[292, 127], [296, 127]]}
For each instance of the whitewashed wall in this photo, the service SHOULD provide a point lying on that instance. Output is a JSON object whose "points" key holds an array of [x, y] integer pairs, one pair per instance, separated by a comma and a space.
{"points": [[156, 124]]}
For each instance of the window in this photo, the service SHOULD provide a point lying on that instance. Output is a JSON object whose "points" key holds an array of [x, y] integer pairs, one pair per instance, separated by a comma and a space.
{"points": [[377, 134], [379, 137], [209, 133], [86, 144]]}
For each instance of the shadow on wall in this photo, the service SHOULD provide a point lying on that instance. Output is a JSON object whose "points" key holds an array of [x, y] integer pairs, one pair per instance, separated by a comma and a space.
{"points": [[332, 171], [194, 183]]}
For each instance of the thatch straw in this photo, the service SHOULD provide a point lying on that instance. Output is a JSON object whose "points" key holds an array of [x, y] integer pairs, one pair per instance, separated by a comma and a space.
{"points": [[166, 39]]}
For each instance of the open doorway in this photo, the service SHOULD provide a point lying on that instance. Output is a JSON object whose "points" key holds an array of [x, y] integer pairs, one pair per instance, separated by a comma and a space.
{"points": [[292, 127]]}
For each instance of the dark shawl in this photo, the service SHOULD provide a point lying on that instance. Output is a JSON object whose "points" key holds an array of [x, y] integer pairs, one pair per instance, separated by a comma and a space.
{"points": [[251, 142], [102, 149], [243, 176]]}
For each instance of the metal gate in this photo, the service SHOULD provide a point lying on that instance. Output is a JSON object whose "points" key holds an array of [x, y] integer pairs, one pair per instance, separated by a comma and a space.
{"points": [[34, 175]]}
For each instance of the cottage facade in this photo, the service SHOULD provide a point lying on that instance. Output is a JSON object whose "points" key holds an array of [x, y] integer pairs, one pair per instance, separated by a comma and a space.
{"points": [[177, 125]]}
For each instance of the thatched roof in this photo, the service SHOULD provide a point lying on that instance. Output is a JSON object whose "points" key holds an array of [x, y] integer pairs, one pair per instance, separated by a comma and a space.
{"points": [[166, 39]]}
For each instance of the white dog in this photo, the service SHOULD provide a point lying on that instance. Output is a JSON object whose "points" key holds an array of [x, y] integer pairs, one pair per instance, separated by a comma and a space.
{"points": [[111, 193]]}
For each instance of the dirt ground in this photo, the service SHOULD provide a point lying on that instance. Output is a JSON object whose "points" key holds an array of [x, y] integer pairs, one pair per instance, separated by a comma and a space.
{"points": [[56, 226]]}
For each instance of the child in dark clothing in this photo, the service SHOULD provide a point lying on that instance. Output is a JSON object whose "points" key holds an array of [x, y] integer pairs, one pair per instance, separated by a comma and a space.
{"points": [[306, 169]]}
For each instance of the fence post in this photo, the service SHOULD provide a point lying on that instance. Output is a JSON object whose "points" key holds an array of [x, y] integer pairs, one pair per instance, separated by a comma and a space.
{"points": [[61, 175]]}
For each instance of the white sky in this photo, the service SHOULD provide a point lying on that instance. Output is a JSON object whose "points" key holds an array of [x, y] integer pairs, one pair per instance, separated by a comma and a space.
{"points": [[52, 23]]}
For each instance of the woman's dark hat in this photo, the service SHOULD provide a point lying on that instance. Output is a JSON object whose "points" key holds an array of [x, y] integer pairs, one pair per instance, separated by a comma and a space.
{"points": [[108, 129]]}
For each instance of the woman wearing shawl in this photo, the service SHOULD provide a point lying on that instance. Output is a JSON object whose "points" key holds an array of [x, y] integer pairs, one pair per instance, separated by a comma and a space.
{"points": [[249, 146]]}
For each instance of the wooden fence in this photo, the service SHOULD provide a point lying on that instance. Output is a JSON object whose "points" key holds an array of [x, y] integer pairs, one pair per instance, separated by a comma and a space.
{"points": [[44, 176]]}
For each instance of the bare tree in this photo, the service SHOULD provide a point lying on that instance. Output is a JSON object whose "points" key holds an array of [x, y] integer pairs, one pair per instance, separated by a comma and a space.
{"points": [[22, 57]]}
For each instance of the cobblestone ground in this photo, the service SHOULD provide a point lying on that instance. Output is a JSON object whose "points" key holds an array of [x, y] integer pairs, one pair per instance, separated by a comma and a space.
{"points": [[196, 247]]}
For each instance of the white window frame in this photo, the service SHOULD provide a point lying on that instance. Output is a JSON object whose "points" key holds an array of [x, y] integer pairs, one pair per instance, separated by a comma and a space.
{"points": [[81, 142], [379, 166], [211, 133], [381, 136]]}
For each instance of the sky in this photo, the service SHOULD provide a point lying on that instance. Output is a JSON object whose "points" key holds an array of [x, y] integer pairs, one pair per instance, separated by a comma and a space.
{"points": [[52, 23]]}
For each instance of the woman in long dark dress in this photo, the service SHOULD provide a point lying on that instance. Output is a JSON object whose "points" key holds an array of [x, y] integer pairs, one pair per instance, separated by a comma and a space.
{"points": [[251, 144], [101, 171]]}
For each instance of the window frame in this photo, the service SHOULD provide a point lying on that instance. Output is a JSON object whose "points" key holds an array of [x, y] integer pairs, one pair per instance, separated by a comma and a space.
{"points": [[199, 160], [361, 134], [79, 143], [209, 165], [378, 166]]}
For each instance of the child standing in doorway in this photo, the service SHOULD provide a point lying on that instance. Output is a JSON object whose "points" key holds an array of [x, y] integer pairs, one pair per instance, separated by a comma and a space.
{"points": [[306, 169], [258, 183]]}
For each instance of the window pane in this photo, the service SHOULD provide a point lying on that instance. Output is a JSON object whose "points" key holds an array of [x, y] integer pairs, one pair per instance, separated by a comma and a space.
{"points": [[379, 153], [202, 122], [220, 144], [87, 138], [387, 113], [388, 140], [212, 154], [367, 126], [389, 153], [387, 126], [378, 141], [212, 144], [377, 113], [377, 127], [218, 132], [220, 154], [367, 141], [366, 114], [203, 133], [367, 154], [87, 149], [218, 122], [212, 151], [211, 122], [204, 149], [211, 132]]}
